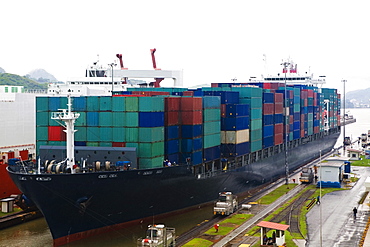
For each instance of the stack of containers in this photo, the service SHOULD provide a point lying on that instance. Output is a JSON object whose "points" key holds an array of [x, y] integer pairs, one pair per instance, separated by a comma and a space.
{"points": [[253, 97], [268, 119], [191, 116], [172, 129], [279, 118], [304, 112], [234, 125], [296, 113], [150, 139], [339, 107], [310, 111], [316, 112], [42, 121], [211, 128]]}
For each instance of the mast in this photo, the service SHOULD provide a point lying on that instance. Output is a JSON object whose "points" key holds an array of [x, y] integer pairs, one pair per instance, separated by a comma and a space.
{"points": [[69, 119]]}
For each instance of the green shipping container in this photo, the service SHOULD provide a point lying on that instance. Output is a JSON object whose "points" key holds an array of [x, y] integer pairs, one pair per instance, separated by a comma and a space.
{"points": [[105, 103], [42, 134], [256, 124], [211, 140], [42, 118], [132, 104], [118, 134], [118, 103], [106, 134], [155, 162], [255, 135], [92, 144], [255, 113], [80, 134], [211, 115], [81, 120], [151, 134], [151, 104], [150, 150], [131, 119], [211, 127], [256, 145], [248, 92], [131, 134], [93, 134], [92, 103], [42, 103], [105, 119], [118, 119]]}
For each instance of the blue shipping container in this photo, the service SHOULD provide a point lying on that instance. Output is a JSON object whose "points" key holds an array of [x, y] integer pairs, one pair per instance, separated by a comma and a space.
{"points": [[171, 147], [268, 97], [232, 150], [92, 119], [237, 110], [268, 119], [279, 118], [268, 142], [268, 130], [211, 153], [151, 119], [172, 132], [190, 131], [237, 123]]}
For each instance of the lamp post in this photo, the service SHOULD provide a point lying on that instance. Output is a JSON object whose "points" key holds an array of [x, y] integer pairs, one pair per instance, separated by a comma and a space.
{"points": [[320, 203], [344, 114], [285, 70], [111, 65]]}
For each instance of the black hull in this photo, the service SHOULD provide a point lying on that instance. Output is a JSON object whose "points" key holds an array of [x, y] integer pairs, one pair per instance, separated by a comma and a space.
{"points": [[78, 205]]}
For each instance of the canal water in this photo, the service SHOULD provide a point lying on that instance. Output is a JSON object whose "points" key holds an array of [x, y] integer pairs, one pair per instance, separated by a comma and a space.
{"points": [[36, 233]]}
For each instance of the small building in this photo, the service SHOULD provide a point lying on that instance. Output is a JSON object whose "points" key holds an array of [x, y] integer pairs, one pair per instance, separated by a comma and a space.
{"points": [[276, 237], [330, 172], [367, 184], [354, 154]]}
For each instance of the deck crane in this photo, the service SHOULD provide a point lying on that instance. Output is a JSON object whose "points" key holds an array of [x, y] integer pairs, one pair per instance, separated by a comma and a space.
{"points": [[157, 80]]}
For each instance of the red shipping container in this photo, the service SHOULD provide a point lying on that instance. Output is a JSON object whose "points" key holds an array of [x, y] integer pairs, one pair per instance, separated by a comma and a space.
{"points": [[223, 110], [302, 133], [279, 98], [268, 108], [278, 139], [172, 118], [309, 93], [191, 117], [291, 119], [188, 93], [191, 104], [56, 133], [214, 84], [278, 128], [279, 109], [267, 85], [172, 103], [118, 144]]}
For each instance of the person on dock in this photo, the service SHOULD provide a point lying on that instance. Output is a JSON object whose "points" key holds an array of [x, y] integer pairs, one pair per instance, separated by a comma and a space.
{"points": [[216, 227], [318, 200], [354, 212]]}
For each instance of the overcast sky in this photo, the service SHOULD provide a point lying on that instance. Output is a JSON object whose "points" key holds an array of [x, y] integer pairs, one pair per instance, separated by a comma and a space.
{"points": [[211, 41]]}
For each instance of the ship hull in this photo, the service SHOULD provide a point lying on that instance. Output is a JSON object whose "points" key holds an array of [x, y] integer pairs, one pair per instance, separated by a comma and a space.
{"points": [[76, 206]]}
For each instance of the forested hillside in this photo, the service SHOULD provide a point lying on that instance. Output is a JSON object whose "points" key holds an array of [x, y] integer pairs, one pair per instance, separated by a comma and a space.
{"points": [[16, 80]]}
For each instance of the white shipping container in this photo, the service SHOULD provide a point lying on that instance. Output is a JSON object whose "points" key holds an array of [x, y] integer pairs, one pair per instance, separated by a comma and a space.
{"points": [[235, 137]]}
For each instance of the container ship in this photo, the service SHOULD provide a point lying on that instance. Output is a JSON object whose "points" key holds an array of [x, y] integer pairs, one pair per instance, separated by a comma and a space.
{"points": [[145, 152]]}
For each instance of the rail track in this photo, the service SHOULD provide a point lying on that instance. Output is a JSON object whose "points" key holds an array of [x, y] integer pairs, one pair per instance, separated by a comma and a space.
{"points": [[290, 214]]}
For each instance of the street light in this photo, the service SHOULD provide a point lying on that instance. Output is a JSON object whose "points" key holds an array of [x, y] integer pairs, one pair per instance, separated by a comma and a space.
{"points": [[286, 64], [344, 114], [111, 65]]}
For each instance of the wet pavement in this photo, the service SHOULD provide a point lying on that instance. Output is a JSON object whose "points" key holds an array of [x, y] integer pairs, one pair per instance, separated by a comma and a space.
{"points": [[332, 222]]}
